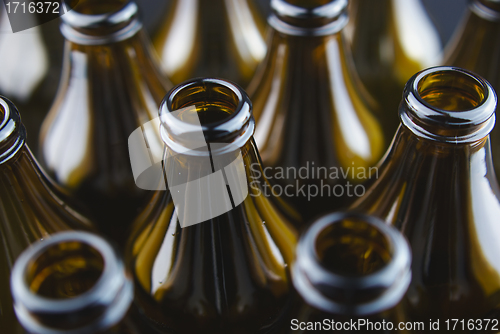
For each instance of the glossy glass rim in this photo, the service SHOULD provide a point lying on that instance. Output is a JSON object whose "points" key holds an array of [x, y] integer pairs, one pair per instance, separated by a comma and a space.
{"points": [[72, 20], [469, 125], [12, 132], [395, 275], [240, 122]]}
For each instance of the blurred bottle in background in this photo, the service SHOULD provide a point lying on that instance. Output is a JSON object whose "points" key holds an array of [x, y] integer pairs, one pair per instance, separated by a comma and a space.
{"points": [[214, 38], [111, 85], [32, 207], [390, 41]]}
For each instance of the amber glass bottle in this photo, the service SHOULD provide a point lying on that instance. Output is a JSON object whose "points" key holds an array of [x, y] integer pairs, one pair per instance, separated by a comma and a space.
{"points": [[390, 41], [31, 206], [30, 67], [437, 185], [476, 46], [211, 254], [74, 282], [211, 38], [314, 126], [350, 269], [110, 86]]}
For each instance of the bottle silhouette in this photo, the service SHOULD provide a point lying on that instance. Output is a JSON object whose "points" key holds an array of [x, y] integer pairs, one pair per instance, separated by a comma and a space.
{"points": [[437, 185], [475, 47], [350, 269], [75, 282], [211, 254], [32, 207], [110, 86], [211, 39], [316, 132], [390, 41]]}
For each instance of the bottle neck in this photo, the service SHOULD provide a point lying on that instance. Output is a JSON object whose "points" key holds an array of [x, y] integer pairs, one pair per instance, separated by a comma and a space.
{"points": [[351, 264], [72, 282]]}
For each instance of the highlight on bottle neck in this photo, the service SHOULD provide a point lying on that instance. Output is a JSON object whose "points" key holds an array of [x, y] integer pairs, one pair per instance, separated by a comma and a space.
{"points": [[12, 131], [309, 17], [97, 22], [449, 105], [352, 264], [206, 111], [487, 9], [74, 282]]}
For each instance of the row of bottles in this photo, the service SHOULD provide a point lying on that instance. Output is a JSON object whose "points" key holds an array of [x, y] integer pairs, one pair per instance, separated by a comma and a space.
{"points": [[231, 272]]}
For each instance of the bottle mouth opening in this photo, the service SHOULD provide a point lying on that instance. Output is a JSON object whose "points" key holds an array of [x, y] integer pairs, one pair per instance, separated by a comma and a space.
{"points": [[309, 18], [65, 270], [353, 247], [97, 22], [486, 9], [448, 104], [350, 263], [72, 280], [206, 110]]}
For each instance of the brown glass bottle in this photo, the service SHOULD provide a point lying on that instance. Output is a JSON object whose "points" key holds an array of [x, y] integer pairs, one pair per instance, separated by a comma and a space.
{"points": [[476, 46], [75, 282], [310, 114], [31, 206], [214, 38], [211, 254], [437, 185], [30, 67], [390, 41], [351, 272], [111, 85]]}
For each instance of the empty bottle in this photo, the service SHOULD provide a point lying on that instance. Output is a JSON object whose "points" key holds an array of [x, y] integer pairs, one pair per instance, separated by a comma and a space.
{"points": [[437, 185], [476, 46], [351, 272], [214, 38], [316, 131], [32, 207], [75, 282], [110, 86], [211, 253]]}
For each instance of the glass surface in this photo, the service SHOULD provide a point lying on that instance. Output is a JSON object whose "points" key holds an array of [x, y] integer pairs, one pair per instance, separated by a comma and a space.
{"points": [[216, 38], [228, 274], [473, 47], [315, 128], [442, 194], [390, 41], [32, 207], [109, 88]]}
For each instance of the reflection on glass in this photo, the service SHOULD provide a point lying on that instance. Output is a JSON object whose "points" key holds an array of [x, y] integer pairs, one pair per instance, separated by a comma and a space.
{"points": [[315, 127], [390, 41], [218, 38], [437, 186], [111, 85], [228, 274]]}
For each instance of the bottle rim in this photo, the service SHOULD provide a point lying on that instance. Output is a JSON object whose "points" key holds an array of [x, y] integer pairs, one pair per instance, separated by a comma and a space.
{"points": [[235, 130], [483, 10], [310, 277], [12, 131], [449, 126], [113, 290], [75, 25], [321, 20]]}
